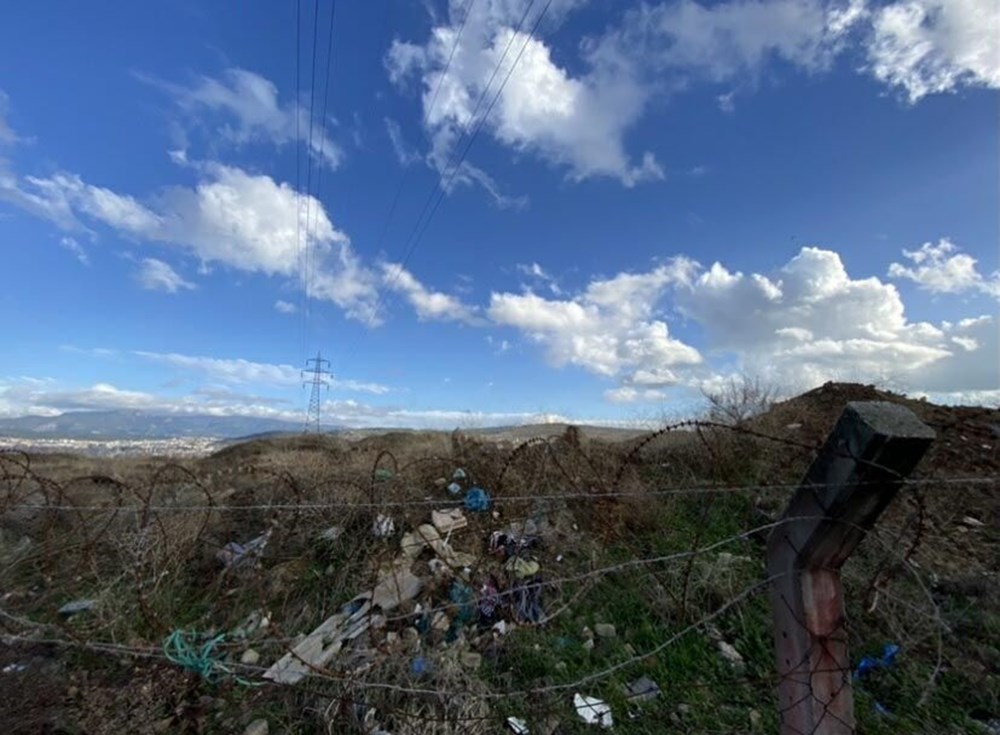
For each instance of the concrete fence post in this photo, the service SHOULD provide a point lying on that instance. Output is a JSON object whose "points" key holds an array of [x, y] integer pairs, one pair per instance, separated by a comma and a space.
{"points": [[862, 465]]}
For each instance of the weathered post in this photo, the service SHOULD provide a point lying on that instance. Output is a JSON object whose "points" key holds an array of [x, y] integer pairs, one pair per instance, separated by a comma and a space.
{"points": [[872, 449]]}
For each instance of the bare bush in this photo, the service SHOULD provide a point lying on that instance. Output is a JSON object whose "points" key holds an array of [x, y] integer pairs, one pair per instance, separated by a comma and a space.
{"points": [[739, 399]]}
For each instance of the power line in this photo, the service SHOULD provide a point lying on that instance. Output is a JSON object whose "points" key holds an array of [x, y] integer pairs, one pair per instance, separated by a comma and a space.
{"points": [[437, 194], [309, 166], [310, 263]]}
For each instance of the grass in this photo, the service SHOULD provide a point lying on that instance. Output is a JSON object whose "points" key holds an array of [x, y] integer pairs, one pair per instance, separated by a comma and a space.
{"points": [[153, 572]]}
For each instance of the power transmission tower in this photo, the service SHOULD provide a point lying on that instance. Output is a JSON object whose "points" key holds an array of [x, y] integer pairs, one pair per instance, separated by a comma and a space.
{"points": [[318, 380]]}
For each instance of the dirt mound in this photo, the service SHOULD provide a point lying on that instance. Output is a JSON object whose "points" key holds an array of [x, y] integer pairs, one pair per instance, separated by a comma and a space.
{"points": [[967, 444]]}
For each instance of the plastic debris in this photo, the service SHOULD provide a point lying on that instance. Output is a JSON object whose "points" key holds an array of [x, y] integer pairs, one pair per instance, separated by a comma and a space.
{"points": [[458, 474], [383, 526], [642, 690], [447, 521], [477, 500], [461, 595], [412, 544], [331, 534], [454, 488], [593, 711], [518, 726], [527, 600], [489, 600], [870, 663], [971, 522], [77, 606], [420, 665], [522, 568], [13, 668], [235, 555], [382, 474], [257, 727]]}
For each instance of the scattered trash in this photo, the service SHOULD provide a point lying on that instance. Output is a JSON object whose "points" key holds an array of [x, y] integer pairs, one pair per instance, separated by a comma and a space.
{"points": [[605, 630], [477, 500], [250, 657], [489, 600], [235, 555], [439, 569], [383, 526], [77, 606], [518, 726], [459, 474], [972, 522], [500, 628], [522, 568], [588, 645], [731, 655], [412, 544], [471, 660], [420, 666], [441, 621], [793, 426], [461, 595], [454, 488], [257, 727], [331, 534], [870, 663], [13, 668], [593, 711], [527, 601], [440, 482], [382, 474], [642, 690], [447, 521]]}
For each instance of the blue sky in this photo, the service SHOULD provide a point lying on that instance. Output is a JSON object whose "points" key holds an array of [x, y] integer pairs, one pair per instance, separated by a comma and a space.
{"points": [[628, 204]]}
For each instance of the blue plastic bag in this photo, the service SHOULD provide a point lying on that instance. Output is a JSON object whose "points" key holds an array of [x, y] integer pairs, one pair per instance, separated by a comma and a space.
{"points": [[477, 500]]}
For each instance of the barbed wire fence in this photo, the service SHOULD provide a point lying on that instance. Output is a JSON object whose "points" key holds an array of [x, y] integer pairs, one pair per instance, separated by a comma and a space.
{"points": [[551, 586]]}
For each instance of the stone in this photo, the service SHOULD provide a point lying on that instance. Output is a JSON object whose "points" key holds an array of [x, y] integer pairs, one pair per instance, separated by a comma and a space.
{"points": [[587, 633], [257, 727], [605, 630], [588, 645], [250, 657], [642, 690], [731, 655]]}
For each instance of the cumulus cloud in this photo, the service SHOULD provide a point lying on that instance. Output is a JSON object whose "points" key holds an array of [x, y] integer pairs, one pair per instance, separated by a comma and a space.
{"points": [[232, 217], [611, 329], [941, 268], [155, 275], [285, 307], [577, 122], [933, 46], [244, 107], [428, 305], [809, 322]]}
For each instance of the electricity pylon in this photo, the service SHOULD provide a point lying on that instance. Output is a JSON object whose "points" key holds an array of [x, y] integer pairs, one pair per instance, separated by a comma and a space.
{"points": [[318, 380]]}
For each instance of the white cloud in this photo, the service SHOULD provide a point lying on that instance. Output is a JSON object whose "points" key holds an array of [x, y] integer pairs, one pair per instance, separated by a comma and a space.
{"points": [[239, 371], [285, 307], [933, 46], [577, 122], [31, 396], [728, 40], [428, 305], [76, 248], [7, 134], [628, 394], [249, 111], [539, 274], [155, 275], [809, 322], [610, 329], [233, 217], [941, 268], [404, 154]]}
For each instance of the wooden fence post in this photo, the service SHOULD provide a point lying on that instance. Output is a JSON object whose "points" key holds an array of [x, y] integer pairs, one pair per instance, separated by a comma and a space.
{"points": [[873, 447]]}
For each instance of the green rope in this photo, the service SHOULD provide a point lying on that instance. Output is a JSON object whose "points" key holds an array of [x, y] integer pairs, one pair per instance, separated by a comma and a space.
{"points": [[181, 648]]}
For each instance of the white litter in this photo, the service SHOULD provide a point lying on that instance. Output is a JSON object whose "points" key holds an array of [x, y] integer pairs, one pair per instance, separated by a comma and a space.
{"points": [[517, 725], [593, 711]]}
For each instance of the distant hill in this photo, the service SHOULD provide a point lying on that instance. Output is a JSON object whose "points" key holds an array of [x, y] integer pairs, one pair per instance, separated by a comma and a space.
{"points": [[139, 425]]}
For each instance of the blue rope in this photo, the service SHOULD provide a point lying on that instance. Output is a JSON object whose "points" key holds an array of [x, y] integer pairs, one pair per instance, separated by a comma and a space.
{"points": [[181, 648]]}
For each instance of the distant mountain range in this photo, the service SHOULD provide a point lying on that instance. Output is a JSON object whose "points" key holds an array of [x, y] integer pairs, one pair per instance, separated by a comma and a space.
{"points": [[139, 425]]}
